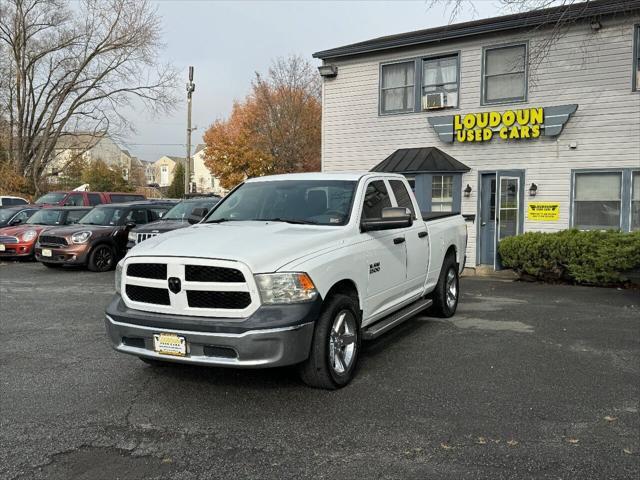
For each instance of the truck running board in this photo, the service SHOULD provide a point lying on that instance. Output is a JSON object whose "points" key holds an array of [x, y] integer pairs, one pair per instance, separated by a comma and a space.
{"points": [[395, 319]]}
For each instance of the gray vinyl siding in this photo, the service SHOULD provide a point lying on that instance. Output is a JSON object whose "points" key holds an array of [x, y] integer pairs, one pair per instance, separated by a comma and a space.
{"points": [[584, 67]]}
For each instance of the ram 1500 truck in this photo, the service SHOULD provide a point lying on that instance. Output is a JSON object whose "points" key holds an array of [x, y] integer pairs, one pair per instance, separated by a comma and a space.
{"points": [[288, 269]]}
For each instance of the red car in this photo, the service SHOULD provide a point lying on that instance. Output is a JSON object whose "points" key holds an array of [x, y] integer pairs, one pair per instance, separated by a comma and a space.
{"points": [[19, 240], [87, 198]]}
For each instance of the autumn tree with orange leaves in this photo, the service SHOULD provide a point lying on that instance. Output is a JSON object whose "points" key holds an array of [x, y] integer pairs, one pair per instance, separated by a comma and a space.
{"points": [[276, 129]]}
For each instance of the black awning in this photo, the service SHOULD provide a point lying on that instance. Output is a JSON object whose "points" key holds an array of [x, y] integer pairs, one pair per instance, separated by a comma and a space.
{"points": [[418, 160]]}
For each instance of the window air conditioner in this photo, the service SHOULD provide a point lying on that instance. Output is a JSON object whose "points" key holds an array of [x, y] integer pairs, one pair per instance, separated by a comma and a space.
{"points": [[433, 100]]}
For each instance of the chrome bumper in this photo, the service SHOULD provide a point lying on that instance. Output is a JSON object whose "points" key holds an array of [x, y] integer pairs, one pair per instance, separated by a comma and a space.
{"points": [[251, 349]]}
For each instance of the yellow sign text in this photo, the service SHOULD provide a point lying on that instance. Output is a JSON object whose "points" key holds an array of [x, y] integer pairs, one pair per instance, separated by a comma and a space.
{"points": [[543, 211], [509, 125]]}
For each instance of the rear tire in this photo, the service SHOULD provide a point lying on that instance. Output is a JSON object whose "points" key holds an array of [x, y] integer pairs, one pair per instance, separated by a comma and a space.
{"points": [[335, 346], [101, 259], [447, 291]]}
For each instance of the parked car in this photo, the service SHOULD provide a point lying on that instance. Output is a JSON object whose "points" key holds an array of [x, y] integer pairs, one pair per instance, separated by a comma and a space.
{"points": [[9, 201], [290, 269], [99, 239], [182, 215], [19, 241], [87, 198], [11, 216]]}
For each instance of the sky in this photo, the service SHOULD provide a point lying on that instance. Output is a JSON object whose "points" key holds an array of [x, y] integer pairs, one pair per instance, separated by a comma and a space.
{"points": [[228, 41]]}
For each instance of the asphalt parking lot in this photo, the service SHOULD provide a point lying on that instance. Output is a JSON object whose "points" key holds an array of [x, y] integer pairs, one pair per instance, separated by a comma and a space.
{"points": [[526, 381]]}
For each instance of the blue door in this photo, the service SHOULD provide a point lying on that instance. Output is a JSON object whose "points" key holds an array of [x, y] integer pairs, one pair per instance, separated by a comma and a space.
{"points": [[487, 237]]}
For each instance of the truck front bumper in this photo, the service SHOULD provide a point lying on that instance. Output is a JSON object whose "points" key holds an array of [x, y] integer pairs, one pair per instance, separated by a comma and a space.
{"points": [[276, 345]]}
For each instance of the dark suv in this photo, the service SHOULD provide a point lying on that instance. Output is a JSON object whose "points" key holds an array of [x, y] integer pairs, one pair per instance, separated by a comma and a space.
{"points": [[99, 239], [182, 215]]}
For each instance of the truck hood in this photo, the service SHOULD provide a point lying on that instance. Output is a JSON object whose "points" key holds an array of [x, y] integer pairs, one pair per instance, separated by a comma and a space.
{"points": [[263, 246], [161, 226]]}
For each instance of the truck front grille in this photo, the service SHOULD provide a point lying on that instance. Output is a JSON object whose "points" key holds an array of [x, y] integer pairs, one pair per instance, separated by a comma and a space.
{"points": [[148, 270], [144, 236], [52, 240], [223, 300], [202, 273], [154, 296], [209, 288]]}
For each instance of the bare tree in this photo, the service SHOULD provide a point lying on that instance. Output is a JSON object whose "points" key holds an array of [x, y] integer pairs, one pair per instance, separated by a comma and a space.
{"points": [[67, 67]]}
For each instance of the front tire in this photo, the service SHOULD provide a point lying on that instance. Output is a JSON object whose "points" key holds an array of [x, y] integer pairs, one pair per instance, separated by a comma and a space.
{"points": [[101, 259], [335, 346], [447, 291]]}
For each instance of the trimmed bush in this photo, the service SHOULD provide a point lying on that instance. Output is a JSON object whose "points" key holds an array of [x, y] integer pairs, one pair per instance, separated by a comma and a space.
{"points": [[589, 257]]}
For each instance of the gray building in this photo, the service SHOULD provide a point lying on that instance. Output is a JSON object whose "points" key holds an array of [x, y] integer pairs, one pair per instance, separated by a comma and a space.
{"points": [[519, 122]]}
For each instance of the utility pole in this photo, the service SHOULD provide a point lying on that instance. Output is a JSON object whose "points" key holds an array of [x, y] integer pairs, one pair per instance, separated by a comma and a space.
{"points": [[187, 177]]}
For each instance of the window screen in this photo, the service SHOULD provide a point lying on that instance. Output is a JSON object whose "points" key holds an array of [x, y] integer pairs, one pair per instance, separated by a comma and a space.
{"points": [[505, 74], [440, 75], [397, 87], [596, 203], [636, 59], [375, 199], [402, 195]]}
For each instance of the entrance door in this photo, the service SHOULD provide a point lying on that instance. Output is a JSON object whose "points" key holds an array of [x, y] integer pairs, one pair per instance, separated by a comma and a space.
{"points": [[487, 218]]}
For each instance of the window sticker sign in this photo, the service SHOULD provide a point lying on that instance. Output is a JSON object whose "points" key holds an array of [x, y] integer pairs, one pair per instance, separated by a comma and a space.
{"points": [[543, 211]]}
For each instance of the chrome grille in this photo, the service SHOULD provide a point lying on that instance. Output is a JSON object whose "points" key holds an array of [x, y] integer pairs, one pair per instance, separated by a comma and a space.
{"points": [[144, 236], [8, 239], [52, 240]]}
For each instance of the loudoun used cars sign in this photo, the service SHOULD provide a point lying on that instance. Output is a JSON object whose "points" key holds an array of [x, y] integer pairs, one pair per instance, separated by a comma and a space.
{"points": [[526, 123]]}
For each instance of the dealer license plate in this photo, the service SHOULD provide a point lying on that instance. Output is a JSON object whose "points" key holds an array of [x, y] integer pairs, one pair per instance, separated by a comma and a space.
{"points": [[1, 247], [170, 344], [46, 252]]}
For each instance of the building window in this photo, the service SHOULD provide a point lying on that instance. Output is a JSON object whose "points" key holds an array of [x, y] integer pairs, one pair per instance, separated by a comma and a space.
{"points": [[442, 193], [505, 74], [597, 200], [397, 87], [440, 82], [636, 58], [635, 200]]}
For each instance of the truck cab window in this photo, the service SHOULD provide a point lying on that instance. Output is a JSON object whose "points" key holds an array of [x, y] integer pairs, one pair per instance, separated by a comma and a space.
{"points": [[402, 196], [375, 199]]}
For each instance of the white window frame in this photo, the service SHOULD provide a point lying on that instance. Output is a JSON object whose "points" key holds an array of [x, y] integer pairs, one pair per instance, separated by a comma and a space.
{"points": [[573, 197], [410, 107], [455, 55], [483, 86]]}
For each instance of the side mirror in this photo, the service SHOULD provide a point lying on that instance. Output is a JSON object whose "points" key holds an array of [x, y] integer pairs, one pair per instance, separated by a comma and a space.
{"points": [[130, 225], [392, 217], [197, 214]]}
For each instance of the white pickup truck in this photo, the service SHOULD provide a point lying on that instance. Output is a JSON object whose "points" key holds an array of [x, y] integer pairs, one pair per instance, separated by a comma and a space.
{"points": [[289, 269]]}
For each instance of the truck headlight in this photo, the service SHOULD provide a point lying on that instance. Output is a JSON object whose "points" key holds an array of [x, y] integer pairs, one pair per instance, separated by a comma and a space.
{"points": [[119, 276], [80, 237], [132, 236], [29, 235], [285, 288]]}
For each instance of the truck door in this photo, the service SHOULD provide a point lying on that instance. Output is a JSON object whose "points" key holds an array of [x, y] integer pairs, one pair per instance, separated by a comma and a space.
{"points": [[416, 239], [386, 254]]}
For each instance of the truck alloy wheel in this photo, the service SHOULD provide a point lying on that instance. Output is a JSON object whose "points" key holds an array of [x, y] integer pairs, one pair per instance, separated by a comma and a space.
{"points": [[335, 345], [342, 340], [451, 288]]}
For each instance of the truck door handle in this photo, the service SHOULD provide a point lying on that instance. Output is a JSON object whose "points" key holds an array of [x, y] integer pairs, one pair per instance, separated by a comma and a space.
{"points": [[483, 224], [422, 234], [398, 240]]}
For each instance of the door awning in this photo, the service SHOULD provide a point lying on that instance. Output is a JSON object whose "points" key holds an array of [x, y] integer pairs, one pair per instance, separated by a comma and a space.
{"points": [[420, 160]]}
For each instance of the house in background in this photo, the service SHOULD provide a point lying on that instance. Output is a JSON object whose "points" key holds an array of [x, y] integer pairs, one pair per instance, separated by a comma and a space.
{"points": [[204, 180], [164, 168]]}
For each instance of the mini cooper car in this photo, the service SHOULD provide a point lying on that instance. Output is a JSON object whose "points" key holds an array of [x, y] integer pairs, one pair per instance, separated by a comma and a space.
{"points": [[20, 240], [99, 239]]}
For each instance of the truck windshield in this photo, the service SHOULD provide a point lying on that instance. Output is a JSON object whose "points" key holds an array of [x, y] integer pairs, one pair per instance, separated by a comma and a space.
{"points": [[182, 210], [317, 202], [51, 198]]}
